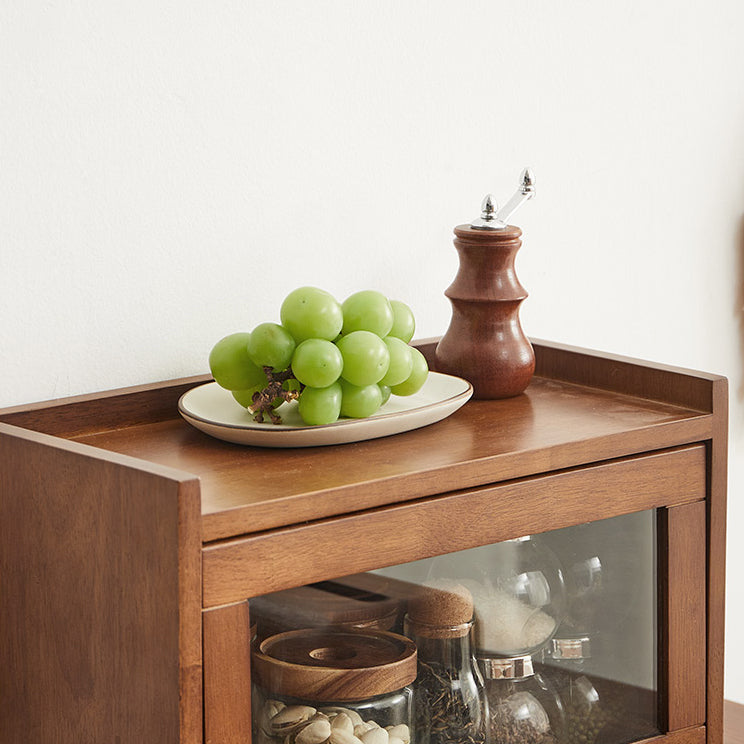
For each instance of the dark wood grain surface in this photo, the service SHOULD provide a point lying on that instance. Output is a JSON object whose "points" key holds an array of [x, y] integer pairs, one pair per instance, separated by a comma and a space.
{"points": [[683, 617], [555, 424], [717, 492], [100, 610], [485, 342], [397, 534], [551, 426], [102, 524], [694, 735], [227, 674]]}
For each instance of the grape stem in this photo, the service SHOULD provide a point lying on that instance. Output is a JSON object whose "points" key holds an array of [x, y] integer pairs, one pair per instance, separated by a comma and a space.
{"points": [[265, 400]]}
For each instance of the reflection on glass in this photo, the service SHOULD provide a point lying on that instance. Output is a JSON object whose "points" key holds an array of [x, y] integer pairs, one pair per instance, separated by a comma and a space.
{"points": [[602, 659], [543, 639]]}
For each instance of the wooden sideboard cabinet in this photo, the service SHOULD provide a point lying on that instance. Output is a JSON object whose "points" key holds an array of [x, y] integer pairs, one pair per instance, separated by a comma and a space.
{"points": [[131, 543]]}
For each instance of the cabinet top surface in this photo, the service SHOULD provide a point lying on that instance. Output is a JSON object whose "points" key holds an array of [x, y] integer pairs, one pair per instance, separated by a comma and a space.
{"points": [[555, 424]]}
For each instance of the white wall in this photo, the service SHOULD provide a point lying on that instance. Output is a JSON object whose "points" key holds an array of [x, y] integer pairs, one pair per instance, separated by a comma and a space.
{"points": [[169, 170]]}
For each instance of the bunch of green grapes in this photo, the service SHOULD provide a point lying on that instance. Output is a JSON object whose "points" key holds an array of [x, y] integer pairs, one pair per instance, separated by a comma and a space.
{"points": [[336, 359]]}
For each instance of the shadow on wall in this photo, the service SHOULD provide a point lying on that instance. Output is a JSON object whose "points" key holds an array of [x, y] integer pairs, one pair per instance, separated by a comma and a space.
{"points": [[739, 304]]}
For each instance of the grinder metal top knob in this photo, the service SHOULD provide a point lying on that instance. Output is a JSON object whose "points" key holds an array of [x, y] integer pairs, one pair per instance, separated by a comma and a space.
{"points": [[493, 218]]}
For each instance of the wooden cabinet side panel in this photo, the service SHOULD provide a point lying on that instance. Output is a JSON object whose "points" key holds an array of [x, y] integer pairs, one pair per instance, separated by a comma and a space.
{"points": [[683, 573], [191, 676], [100, 610], [227, 674], [717, 497]]}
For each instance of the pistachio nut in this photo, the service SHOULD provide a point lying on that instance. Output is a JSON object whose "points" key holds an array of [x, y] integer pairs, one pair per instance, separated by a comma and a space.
{"points": [[340, 736], [375, 736], [268, 710], [315, 731], [287, 719], [332, 712], [342, 721], [401, 731], [363, 727]]}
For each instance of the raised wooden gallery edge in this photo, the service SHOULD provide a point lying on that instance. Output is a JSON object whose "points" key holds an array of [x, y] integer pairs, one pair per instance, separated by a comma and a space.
{"points": [[555, 424]]}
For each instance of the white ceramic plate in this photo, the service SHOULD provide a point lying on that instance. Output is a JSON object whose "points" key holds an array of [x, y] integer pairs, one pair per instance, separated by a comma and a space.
{"points": [[213, 410]]}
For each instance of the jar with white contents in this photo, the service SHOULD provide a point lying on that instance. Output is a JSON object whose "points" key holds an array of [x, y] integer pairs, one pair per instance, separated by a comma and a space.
{"points": [[518, 593]]}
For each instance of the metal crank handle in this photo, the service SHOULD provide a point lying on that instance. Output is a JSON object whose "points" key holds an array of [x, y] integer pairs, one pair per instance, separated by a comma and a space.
{"points": [[524, 193]]}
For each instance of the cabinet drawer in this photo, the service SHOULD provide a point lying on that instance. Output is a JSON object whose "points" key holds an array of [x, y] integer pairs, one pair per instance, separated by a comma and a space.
{"points": [[315, 551]]}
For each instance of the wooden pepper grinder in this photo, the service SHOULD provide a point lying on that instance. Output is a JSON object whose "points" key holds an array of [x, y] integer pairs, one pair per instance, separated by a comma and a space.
{"points": [[484, 343]]}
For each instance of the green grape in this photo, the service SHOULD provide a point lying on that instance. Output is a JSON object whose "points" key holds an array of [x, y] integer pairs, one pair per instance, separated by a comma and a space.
{"points": [[359, 402], [367, 311], [271, 345], [317, 363], [231, 366], [401, 361], [309, 312], [320, 405], [404, 324], [417, 378], [365, 358], [385, 390]]}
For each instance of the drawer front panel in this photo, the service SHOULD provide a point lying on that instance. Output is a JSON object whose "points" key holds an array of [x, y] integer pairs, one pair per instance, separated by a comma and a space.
{"points": [[315, 551]]}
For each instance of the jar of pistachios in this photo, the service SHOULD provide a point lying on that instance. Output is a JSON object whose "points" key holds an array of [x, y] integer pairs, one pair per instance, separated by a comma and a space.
{"points": [[316, 686]]}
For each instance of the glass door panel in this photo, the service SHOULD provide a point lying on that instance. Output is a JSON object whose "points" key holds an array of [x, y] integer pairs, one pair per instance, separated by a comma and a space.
{"points": [[544, 639]]}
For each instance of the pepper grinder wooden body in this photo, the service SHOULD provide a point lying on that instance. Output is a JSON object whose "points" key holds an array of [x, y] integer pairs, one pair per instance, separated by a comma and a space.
{"points": [[484, 343]]}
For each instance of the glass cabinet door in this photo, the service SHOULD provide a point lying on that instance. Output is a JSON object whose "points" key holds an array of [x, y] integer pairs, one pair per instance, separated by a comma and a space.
{"points": [[544, 639]]}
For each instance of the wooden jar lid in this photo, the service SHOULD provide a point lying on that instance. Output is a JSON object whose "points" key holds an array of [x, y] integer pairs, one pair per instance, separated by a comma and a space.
{"points": [[323, 666], [441, 610]]}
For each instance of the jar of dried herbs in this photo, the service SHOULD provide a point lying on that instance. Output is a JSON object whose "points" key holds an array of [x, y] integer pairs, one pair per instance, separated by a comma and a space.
{"points": [[523, 707], [587, 712], [597, 710], [449, 701]]}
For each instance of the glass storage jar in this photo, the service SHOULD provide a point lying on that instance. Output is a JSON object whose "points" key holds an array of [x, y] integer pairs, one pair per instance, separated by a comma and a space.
{"points": [[449, 698], [598, 711], [518, 593], [523, 706], [586, 710], [602, 566], [582, 554], [313, 686]]}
